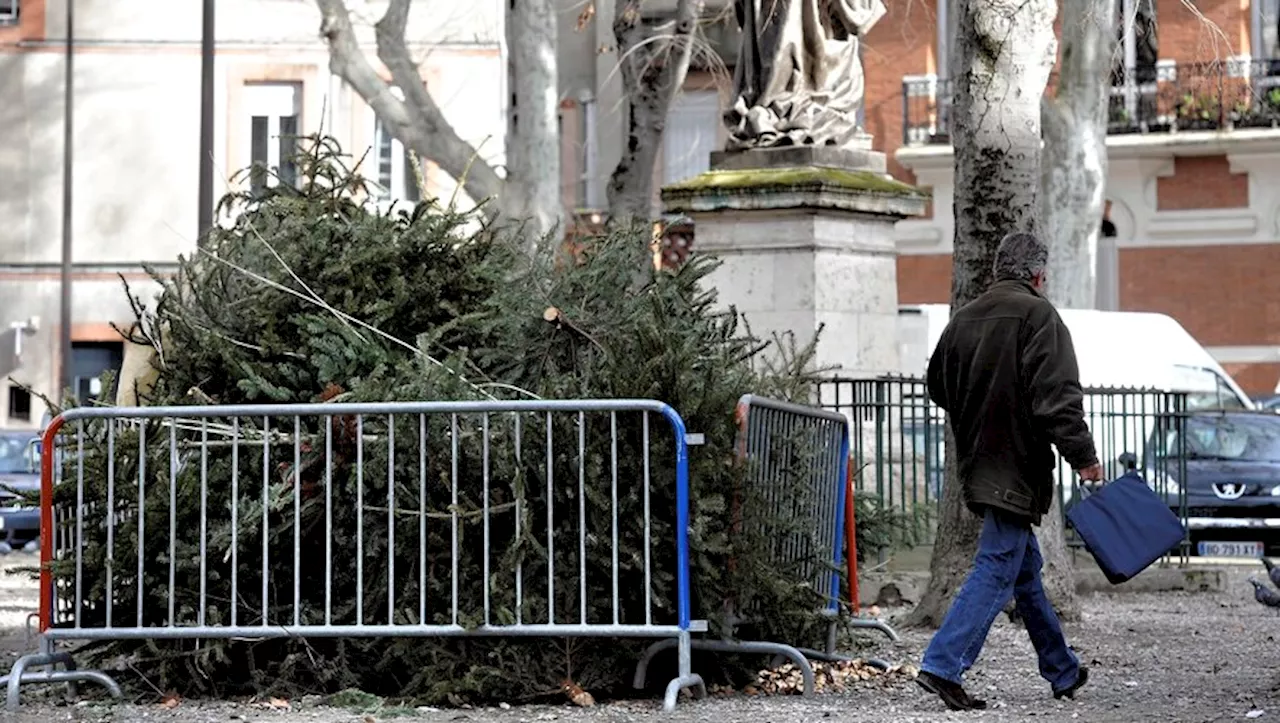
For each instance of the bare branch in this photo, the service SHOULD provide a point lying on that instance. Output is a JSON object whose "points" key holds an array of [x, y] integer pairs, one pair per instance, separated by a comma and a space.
{"points": [[416, 122], [652, 74]]}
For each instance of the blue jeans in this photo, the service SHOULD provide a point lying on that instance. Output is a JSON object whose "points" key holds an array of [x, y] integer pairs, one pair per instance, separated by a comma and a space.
{"points": [[1007, 564]]}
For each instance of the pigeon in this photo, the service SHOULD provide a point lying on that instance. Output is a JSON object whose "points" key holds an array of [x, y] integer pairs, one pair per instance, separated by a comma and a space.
{"points": [[1264, 594], [1273, 571]]}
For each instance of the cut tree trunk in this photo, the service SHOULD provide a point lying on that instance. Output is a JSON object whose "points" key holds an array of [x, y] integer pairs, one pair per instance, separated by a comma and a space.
{"points": [[1074, 166], [654, 63], [1004, 56]]}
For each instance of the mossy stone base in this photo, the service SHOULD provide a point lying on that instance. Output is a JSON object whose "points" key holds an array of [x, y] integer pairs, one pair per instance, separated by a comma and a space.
{"points": [[789, 187]]}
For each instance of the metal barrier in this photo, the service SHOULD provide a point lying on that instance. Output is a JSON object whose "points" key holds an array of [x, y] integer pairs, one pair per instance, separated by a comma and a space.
{"points": [[898, 443], [795, 462], [117, 565]]}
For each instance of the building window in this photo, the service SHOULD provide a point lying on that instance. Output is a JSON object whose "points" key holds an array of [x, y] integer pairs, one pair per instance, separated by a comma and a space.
{"points": [[693, 128], [394, 171], [89, 362], [9, 12], [19, 403], [273, 110], [1136, 72], [396, 178]]}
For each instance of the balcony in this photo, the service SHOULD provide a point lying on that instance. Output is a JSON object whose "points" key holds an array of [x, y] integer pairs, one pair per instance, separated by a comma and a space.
{"points": [[1167, 98]]}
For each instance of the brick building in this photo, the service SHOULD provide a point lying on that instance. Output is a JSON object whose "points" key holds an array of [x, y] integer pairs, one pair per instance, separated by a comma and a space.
{"points": [[1193, 219]]}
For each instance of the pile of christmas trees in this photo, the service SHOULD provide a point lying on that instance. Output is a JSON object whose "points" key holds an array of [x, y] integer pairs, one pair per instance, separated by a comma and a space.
{"points": [[312, 297]]}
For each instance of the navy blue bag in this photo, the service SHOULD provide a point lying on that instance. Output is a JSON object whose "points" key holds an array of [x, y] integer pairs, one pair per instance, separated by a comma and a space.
{"points": [[1126, 526]]}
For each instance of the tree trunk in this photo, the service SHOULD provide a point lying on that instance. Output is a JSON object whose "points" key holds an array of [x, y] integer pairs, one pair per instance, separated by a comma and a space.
{"points": [[653, 71], [1002, 63], [1072, 192], [532, 188], [1074, 171]]}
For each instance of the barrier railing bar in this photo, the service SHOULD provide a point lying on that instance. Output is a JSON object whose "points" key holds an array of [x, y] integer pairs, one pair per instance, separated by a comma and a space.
{"points": [[551, 526], [111, 527], [328, 520], [648, 587], [582, 518], [518, 481], [613, 432], [80, 520], [235, 524], [453, 511], [391, 523], [142, 517], [485, 503], [422, 519], [266, 515], [297, 521], [173, 516], [204, 514]]}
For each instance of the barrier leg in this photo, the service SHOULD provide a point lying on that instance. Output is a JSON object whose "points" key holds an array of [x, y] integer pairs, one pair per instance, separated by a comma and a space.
{"points": [[642, 668], [20, 674], [687, 679], [880, 625]]}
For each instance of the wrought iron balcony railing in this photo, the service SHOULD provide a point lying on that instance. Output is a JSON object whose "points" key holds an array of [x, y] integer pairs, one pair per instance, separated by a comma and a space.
{"points": [[1204, 96]]}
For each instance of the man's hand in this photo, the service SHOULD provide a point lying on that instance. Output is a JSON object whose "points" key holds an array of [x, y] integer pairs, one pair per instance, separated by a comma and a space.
{"points": [[1091, 474]]}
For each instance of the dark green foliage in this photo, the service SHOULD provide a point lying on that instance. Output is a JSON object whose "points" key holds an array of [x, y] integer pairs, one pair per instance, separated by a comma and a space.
{"points": [[310, 297]]}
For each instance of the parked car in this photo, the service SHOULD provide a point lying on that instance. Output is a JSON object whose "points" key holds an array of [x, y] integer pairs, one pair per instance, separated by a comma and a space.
{"points": [[19, 478], [1229, 468]]}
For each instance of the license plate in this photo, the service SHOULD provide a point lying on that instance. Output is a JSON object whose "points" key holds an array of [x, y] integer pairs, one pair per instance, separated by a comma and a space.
{"points": [[1231, 549]]}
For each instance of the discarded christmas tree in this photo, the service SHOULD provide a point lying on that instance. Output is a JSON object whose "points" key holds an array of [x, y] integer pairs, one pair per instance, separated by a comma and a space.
{"points": [[311, 297]]}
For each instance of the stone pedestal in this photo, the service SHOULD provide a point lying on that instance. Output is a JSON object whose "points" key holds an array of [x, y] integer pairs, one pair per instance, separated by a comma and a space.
{"points": [[806, 239]]}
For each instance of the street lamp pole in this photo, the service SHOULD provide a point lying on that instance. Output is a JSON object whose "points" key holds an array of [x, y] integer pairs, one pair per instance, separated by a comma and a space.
{"points": [[68, 152], [205, 214]]}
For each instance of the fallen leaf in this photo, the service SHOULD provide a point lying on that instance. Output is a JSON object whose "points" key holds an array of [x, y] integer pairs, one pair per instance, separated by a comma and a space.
{"points": [[577, 695], [278, 704], [170, 701], [370, 719], [1254, 714]]}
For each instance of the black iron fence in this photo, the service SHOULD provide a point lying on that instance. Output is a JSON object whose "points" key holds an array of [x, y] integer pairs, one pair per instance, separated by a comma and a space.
{"points": [[1220, 95], [899, 458]]}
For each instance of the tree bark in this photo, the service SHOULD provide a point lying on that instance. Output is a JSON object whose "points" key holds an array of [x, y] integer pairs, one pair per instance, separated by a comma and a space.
{"points": [[1072, 194], [533, 127], [1002, 63], [653, 70], [1074, 170]]}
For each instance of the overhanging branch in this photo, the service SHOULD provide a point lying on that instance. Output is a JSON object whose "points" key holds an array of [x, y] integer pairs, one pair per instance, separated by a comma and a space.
{"points": [[417, 121]]}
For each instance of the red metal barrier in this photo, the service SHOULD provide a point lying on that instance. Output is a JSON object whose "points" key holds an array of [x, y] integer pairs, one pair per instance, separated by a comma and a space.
{"points": [[851, 538], [48, 455]]}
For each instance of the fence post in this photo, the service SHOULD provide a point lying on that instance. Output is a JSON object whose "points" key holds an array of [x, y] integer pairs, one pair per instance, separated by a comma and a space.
{"points": [[851, 534]]}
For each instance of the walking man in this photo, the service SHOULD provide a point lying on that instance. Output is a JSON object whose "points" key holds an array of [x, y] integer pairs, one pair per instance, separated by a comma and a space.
{"points": [[1005, 372]]}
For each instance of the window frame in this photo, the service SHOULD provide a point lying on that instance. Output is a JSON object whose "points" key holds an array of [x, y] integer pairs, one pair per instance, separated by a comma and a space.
{"points": [[690, 102], [12, 15], [401, 185], [279, 105]]}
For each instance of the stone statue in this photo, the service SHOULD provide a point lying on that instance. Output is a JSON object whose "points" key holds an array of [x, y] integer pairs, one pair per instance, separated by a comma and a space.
{"points": [[799, 79]]}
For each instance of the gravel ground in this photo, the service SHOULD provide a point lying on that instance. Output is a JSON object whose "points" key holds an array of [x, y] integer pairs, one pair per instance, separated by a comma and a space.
{"points": [[1166, 657]]}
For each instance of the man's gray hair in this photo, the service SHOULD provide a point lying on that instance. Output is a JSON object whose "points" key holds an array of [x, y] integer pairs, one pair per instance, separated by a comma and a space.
{"points": [[1020, 257]]}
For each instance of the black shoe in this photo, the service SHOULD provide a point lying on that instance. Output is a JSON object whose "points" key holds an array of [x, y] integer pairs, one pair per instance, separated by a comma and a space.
{"points": [[952, 694], [1070, 692]]}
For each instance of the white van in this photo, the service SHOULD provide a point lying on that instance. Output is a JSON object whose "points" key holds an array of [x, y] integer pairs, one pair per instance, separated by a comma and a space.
{"points": [[1115, 350]]}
